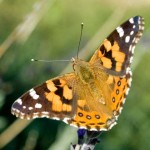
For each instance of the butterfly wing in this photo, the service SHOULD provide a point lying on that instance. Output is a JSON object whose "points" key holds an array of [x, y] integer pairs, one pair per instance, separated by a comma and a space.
{"points": [[52, 99], [116, 51]]}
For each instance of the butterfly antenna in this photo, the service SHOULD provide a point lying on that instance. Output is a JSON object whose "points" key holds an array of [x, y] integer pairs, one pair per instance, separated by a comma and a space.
{"points": [[47, 60], [80, 39]]}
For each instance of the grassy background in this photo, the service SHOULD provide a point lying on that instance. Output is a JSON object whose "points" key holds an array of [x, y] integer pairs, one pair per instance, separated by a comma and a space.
{"points": [[55, 36]]}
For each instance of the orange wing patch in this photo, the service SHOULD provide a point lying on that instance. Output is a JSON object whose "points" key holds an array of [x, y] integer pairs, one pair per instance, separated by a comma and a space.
{"points": [[66, 108], [67, 93], [106, 62], [51, 86], [107, 45], [110, 55]]}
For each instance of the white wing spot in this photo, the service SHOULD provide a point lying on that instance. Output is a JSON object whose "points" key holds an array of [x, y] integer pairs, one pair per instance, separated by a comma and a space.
{"points": [[17, 111], [55, 118], [33, 94], [36, 113], [129, 82], [139, 21], [38, 105], [66, 120], [132, 32], [142, 27], [113, 124], [22, 114], [24, 107], [131, 59], [21, 117], [28, 118], [19, 101], [136, 40], [128, 69], [73, 125], [124, 100], [35, 116], [93, 129], [109, 122], [127, 91], [127, 39], [132, 49], [45, 113], [134, 26], [30, 108], [120, 31], [131, 20], [120, 110]]}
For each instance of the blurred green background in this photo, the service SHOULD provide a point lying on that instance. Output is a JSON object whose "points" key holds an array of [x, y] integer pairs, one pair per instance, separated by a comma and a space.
{"points": [[50, 30]]}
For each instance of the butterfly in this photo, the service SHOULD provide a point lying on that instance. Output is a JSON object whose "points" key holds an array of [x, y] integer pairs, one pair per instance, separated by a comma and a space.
{"points": [[92, 96]]}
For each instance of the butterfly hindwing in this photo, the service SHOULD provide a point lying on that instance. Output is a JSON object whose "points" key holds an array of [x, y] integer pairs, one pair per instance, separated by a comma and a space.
{"points": [[103, 119]]}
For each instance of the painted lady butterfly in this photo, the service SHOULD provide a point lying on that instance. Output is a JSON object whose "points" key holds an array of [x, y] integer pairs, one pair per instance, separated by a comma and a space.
{"points": [[92, 96]]}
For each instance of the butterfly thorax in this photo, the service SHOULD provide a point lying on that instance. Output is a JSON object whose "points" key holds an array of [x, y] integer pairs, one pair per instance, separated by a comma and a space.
{"points": [[84, 71]]}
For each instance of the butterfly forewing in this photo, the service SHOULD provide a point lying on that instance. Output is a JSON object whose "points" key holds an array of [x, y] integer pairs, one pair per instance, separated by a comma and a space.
{"points": [[93, 96], [52, 99], [116, 52]]}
